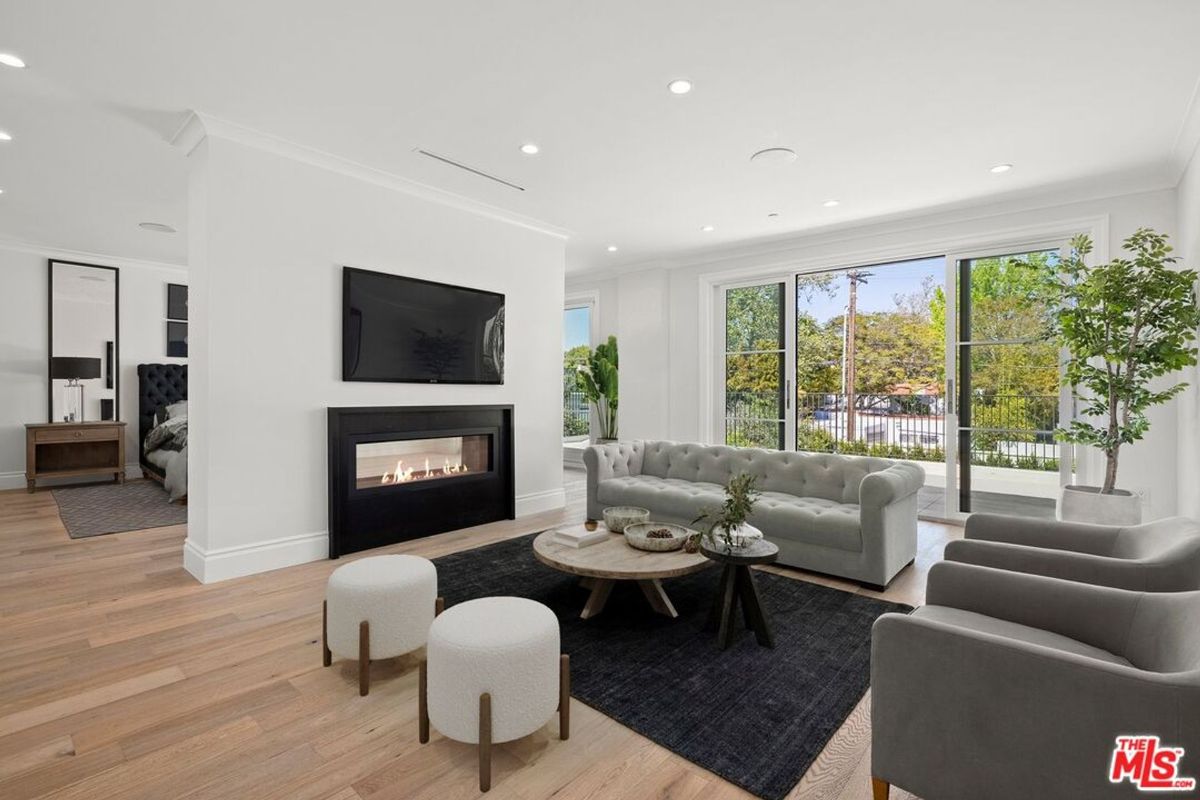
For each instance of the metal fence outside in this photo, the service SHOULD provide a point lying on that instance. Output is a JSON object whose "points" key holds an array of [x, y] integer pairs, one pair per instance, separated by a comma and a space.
{"points": [[1014, 431], [576, 416]]}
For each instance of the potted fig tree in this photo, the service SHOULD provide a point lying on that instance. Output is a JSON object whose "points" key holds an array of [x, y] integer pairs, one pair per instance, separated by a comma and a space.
{"points": [[1124, 326]]}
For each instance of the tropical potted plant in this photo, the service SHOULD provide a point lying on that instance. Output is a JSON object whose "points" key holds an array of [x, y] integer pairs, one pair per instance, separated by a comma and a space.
{"points": [[598, 379], [1124, 325], [727, 525]]}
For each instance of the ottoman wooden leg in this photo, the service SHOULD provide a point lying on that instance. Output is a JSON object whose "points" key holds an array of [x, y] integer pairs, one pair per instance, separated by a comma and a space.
{"points": [[439, 605], [423, 702], [564, 696], [879, 789], [364, 658], [326, 656], [485, 742]]}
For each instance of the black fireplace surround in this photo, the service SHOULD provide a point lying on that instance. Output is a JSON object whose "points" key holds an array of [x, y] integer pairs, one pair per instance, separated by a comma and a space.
{"points": [[403, 472]]}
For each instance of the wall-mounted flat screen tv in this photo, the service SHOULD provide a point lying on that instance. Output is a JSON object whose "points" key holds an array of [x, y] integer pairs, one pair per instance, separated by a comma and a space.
{"points": [[407, 330]]}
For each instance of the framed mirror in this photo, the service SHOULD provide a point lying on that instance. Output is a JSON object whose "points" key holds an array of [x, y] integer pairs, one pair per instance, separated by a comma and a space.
{"points": [[83, 368]]}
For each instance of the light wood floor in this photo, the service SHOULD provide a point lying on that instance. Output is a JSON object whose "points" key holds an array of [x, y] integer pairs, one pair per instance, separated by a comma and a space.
{"points": [[121, 677]]}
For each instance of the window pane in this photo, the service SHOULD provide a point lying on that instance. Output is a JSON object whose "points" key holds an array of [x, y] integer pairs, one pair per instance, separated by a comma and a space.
{"points": [[1003, 296], [576, 336], [870, 360], [754, 318], [754, 400]]}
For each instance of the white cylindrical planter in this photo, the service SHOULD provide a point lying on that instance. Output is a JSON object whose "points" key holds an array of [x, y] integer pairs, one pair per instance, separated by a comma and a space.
{"points": [[1087, 504]]}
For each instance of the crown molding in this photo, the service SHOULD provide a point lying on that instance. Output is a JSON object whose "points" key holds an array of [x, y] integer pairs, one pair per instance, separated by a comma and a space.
{"points": [[100, 259], [854, 232], [200, 126]]}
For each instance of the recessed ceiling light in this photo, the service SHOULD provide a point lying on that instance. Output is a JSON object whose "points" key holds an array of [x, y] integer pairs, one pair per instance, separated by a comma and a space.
{"points": [[612, 248], [530, 149], [830, 203], [5, 136], [157, 227], [999, 168], [775, 155], [707, 228], [9, 60], [679, 86], [1, 191]]}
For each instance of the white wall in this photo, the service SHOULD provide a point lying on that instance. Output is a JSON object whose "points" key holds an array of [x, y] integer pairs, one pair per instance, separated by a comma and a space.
{"points": [[1149, 465], [23, 277], [269, 237], [1187, 245]]}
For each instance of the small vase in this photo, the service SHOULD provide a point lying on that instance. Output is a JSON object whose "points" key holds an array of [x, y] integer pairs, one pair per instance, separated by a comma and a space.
{"points": [[740, 537]]}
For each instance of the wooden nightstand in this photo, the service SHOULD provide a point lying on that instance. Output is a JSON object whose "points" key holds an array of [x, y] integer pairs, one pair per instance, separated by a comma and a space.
{"points": [[74, 449]]}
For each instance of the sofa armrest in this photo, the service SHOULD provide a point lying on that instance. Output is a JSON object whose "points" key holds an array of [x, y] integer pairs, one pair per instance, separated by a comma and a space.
{"points": [[604, 461], [1096, 615], [962, 713], [885, 487], [1075, 536], [1071, 566]]}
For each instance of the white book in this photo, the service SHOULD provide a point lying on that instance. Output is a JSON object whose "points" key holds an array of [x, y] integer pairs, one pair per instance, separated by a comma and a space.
{"points": [[581, 539]]}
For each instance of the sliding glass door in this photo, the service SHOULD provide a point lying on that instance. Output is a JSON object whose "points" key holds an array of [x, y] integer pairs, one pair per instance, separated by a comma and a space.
{"points": [[756, 396], [1009, 398], [937, 360]]}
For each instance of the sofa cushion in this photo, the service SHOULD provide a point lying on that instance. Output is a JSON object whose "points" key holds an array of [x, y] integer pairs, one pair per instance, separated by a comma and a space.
{"points": [[671, 497], [813, 520], [1011, 630]]}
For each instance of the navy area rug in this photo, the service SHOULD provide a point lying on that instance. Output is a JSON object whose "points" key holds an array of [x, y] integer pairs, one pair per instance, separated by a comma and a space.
{"points": [[755, 716]]}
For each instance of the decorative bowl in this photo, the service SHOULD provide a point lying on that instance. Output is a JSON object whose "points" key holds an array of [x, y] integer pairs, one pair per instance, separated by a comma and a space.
{"points": [[636, 536], [617, 517]]}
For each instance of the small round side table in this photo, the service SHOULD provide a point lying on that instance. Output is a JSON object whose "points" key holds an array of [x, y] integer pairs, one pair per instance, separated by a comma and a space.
{"points": [[737, 583]]}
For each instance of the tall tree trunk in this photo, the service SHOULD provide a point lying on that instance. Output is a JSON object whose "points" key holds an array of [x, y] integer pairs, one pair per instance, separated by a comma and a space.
{"points": [[1110, 473]]}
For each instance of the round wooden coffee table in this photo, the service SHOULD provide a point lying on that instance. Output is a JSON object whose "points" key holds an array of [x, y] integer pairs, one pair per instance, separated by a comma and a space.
{"points": [[602, 565]]}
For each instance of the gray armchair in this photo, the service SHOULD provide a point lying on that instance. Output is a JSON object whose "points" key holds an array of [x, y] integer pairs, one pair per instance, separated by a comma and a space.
{"points": [[1008, 685], [1160, 556]]}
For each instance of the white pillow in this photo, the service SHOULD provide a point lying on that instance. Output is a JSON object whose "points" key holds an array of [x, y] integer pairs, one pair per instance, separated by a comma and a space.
{"points": [[177, 409]]}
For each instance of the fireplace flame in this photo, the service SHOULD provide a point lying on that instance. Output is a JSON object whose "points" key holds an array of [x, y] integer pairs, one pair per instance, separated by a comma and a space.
{"points": [[404, 474]]}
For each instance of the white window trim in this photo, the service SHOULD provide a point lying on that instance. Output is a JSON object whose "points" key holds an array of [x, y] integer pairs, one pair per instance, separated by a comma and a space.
{"points": [[589, 299]]}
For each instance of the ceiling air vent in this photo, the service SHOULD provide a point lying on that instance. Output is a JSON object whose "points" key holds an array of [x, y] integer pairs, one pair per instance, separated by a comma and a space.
{"points": [[472, 170]]}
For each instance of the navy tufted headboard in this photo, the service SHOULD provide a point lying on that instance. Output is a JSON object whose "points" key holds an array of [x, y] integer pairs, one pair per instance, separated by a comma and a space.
{"points": [[159, 385]]}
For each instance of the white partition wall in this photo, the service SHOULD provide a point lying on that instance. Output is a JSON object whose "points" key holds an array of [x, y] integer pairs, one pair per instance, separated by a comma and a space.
{"points": [[270, 232]]}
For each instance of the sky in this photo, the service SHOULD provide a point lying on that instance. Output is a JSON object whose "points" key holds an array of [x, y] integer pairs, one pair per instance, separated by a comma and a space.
{"points": [[576, 327], [886, 280]]}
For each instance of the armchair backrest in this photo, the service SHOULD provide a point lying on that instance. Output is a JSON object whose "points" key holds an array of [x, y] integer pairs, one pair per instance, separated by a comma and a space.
{"points": [[1165, 633], [1171, 537]]}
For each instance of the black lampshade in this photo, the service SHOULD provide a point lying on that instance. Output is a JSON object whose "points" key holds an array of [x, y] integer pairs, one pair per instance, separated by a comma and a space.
{"points": [[68, 367]]}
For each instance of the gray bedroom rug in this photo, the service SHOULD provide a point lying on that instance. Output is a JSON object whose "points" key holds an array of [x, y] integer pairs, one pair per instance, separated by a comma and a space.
{"points": [[111, 508], [757, 717]]}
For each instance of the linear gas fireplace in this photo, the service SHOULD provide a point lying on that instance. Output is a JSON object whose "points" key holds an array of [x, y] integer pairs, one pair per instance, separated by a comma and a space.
{"points": [[404, 472], [408, 460]]}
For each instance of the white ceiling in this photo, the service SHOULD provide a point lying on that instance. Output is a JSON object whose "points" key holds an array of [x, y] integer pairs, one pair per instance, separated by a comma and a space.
{"points": [[892, 106]]}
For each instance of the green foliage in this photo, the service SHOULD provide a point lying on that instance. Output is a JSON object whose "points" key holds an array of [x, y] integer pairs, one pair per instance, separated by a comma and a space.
{"points": [[598, 380], [1124, 324], [740, 496]]}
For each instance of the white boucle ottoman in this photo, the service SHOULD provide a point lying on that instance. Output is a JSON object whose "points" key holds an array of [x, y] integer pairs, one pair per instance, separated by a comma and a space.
{"points": [[493, 673], [378, 607]]}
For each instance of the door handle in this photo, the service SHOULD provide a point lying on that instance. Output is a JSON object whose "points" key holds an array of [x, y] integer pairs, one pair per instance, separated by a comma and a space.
{"points": [[950, 401]]}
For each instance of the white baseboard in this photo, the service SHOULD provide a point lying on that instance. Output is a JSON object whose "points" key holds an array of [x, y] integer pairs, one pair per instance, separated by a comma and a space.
{"points": [[211, 566], [221, 564], [537, 502], [16, 480]]}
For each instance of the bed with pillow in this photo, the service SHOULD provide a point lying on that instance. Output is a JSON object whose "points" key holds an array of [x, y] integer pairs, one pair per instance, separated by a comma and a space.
{"points": [[163, 426]]}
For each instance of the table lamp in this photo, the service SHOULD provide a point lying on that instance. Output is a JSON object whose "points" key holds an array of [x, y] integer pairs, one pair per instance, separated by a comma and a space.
{"points": [[73, 369]]}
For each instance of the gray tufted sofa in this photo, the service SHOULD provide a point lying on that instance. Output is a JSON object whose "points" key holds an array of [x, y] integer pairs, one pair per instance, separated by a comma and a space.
{"points": [[842, 515]]}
